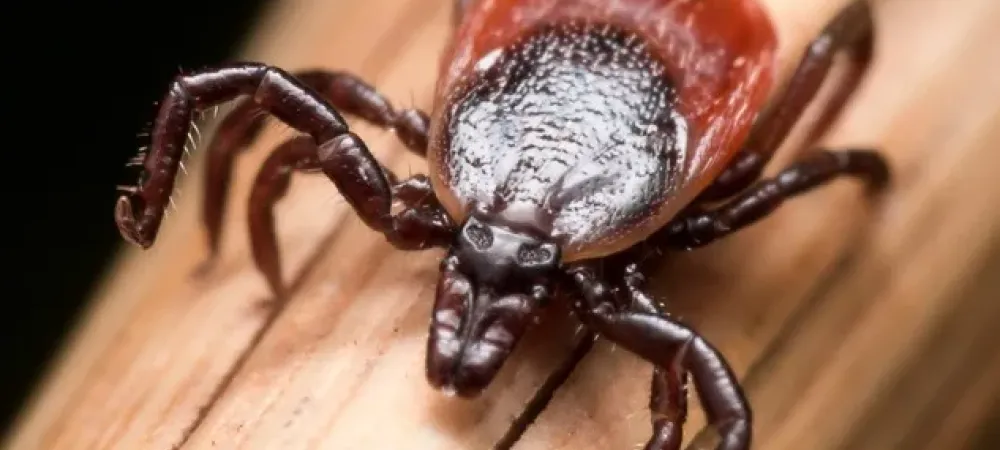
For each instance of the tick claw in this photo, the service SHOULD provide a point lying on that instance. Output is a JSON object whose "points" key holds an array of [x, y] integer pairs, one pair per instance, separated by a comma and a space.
{"points": [[125, 219]]}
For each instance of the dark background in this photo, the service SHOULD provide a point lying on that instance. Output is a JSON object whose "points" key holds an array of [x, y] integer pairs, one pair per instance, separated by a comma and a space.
{"points": [[80, 80]]}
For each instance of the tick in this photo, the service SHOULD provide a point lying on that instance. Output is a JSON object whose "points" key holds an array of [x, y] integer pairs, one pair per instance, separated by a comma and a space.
{"points": [[568, 140]]}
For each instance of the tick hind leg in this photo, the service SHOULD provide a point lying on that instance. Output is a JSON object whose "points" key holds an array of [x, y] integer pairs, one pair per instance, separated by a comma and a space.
{"points": [[699, 228], [345, 92], [676, 351], [852, 31], [420, 224]]}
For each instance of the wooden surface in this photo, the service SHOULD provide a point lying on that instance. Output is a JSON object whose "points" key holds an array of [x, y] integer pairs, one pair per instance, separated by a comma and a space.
{"points": [[855, 325]]}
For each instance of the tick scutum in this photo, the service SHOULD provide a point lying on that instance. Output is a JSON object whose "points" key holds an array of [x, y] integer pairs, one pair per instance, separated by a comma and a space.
{"points": [[570, 131]]}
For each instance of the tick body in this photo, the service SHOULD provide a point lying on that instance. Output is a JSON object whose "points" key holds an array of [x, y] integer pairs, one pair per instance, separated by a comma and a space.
{"points": [[568, 139]]}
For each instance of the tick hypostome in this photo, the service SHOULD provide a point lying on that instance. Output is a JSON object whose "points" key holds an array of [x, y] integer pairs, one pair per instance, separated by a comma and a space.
{"points": [[568, 139]]}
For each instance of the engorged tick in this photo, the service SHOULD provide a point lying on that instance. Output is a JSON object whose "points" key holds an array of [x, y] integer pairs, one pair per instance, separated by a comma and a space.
{"points": [[568, 140]]}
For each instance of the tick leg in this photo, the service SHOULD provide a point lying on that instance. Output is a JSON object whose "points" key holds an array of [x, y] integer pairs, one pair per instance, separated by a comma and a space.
{"points": [[668, 388], [700, 228], [347, 93], [668, 408], [139, 212], [421, 223], [270, 185], [675, 349], [850, 30]]}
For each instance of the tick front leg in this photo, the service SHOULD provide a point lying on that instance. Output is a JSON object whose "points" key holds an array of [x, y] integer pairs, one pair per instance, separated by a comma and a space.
{"points": [[700, 228], [852, 31], [346, 92], [422, 223], [139, 212], [675, 350]]}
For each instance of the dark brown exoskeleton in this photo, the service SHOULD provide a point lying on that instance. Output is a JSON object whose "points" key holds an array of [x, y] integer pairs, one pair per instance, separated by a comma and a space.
{"points": [[567, 137]]}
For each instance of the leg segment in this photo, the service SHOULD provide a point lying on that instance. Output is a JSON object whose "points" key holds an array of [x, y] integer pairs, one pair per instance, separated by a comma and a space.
{"points": [[674, 349], [851, 30], [700, 228], [270, 185], [347, 93], [668, 408], [421, 224], [668, 389]]}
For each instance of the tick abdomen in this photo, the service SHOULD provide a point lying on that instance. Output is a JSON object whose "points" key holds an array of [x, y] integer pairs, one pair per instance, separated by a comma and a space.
{"points": [[570, 130]]}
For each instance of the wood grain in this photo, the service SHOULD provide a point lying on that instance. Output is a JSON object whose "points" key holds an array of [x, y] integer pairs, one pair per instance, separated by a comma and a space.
{"points": [[855, 324]]}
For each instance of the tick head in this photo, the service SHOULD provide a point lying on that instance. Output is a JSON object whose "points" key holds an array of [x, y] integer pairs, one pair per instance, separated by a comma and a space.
{"points": [[491, 288]]}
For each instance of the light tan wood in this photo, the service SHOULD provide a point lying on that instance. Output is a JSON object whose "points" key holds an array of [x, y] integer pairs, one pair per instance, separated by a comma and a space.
{"points": [[855, 325]]}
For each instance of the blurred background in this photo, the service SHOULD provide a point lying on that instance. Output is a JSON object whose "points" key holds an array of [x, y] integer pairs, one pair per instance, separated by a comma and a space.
{"points": [[84, 77]]}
